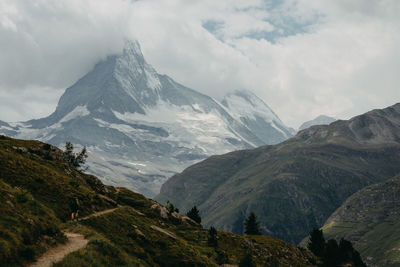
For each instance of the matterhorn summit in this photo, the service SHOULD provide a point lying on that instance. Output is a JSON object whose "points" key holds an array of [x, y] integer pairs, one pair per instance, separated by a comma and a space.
{"points": [[141, 127]]}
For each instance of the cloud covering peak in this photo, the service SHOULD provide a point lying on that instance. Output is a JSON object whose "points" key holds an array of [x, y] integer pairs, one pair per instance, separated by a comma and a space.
{"points": [[304, 58]]}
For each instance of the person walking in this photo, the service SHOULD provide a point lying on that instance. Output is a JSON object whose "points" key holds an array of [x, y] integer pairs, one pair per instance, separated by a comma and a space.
{"points": [[74, 205]]}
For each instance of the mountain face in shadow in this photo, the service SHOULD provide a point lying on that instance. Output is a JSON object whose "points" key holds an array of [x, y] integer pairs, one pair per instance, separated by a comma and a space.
{"points": [[295, 185]]}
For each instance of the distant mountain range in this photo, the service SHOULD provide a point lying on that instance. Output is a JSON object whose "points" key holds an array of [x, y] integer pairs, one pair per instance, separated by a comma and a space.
{"points": [[320, 120], [141, 127], [296, 185]]}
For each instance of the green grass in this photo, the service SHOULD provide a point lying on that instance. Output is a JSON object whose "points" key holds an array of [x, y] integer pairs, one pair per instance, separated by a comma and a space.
{"points": [[190, 247], [27, 227], [292, 187], [36, 184], [371, 220]]}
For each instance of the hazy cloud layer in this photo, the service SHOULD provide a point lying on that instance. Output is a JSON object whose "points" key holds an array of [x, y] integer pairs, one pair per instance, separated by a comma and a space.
{"points": [[303, 57]]}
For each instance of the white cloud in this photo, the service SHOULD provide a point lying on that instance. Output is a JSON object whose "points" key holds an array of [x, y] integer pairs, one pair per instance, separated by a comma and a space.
{"points": [[340, 57]]}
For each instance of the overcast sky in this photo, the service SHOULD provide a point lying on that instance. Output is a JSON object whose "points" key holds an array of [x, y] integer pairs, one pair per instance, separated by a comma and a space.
{"points": [[302, 57]]}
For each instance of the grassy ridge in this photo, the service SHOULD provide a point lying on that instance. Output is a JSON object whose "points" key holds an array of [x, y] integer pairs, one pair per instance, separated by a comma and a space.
{"points": [[36, 184], [25, 222], [131, 238], [371, 220]]}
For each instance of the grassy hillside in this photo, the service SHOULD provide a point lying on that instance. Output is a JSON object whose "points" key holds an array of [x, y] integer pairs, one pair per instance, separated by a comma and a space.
{"points": [[371, 220], [293, 186], [36, 184]]}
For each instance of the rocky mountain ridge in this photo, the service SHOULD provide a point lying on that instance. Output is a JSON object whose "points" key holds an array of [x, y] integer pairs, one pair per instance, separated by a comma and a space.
{"points": [[293, 186], [320, 120]]}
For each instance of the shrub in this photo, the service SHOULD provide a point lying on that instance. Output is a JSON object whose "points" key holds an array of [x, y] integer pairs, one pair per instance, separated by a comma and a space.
{"points": [[27, 253], [247, 261]]}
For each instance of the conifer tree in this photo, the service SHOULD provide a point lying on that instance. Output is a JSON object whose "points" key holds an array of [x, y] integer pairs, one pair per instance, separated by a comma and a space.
{"points": [[193, 214], [80, 158], [212, 237], [348, 253], [76, 159], [171, 208], [69, 152], [251, 225], [316, 243], [331, 253], [331, 256]]}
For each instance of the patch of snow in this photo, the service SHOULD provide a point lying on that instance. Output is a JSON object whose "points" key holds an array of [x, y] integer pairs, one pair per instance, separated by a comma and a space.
{"points": [[137, 164], [79, 111], [249, 108], [48, 137], [6, 128], [273, 124], [187, 126], [198, 124], [45, 134], [125, 84], [152, 80], [38, 134]]}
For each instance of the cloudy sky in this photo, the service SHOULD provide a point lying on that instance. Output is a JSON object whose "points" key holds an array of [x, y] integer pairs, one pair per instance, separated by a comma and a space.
{"points": [[302, 57]]}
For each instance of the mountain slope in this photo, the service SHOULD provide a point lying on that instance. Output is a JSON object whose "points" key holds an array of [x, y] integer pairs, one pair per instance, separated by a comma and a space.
{"points": [[256, 116], [370, 220], [141, 125], [295, 185], [320, 120], [36, 184]]}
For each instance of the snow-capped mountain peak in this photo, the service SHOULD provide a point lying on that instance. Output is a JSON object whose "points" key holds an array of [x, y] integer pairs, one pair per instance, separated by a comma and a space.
{"points": [[257, 116], [141, 127]]}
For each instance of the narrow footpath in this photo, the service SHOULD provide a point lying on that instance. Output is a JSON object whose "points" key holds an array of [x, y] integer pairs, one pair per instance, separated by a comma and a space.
{"points": [[56, 254], [75, 242]]}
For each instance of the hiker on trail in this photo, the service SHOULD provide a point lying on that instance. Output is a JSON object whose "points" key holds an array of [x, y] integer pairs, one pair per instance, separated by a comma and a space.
{"points": [[74, 205]]}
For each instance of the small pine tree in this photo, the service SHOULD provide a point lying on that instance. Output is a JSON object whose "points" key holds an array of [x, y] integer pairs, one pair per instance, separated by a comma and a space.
{"points": [[251, 225], [247, 261], [212, 237], [193, 214], [77, 160], [171, 208], [69, 152], [316, 243], [331, 255], [80, 158], [349, 254]]}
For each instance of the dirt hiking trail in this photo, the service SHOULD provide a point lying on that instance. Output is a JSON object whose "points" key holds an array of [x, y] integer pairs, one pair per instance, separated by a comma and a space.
{"points": [[56, 254], [97, 214], [75, 242]]}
